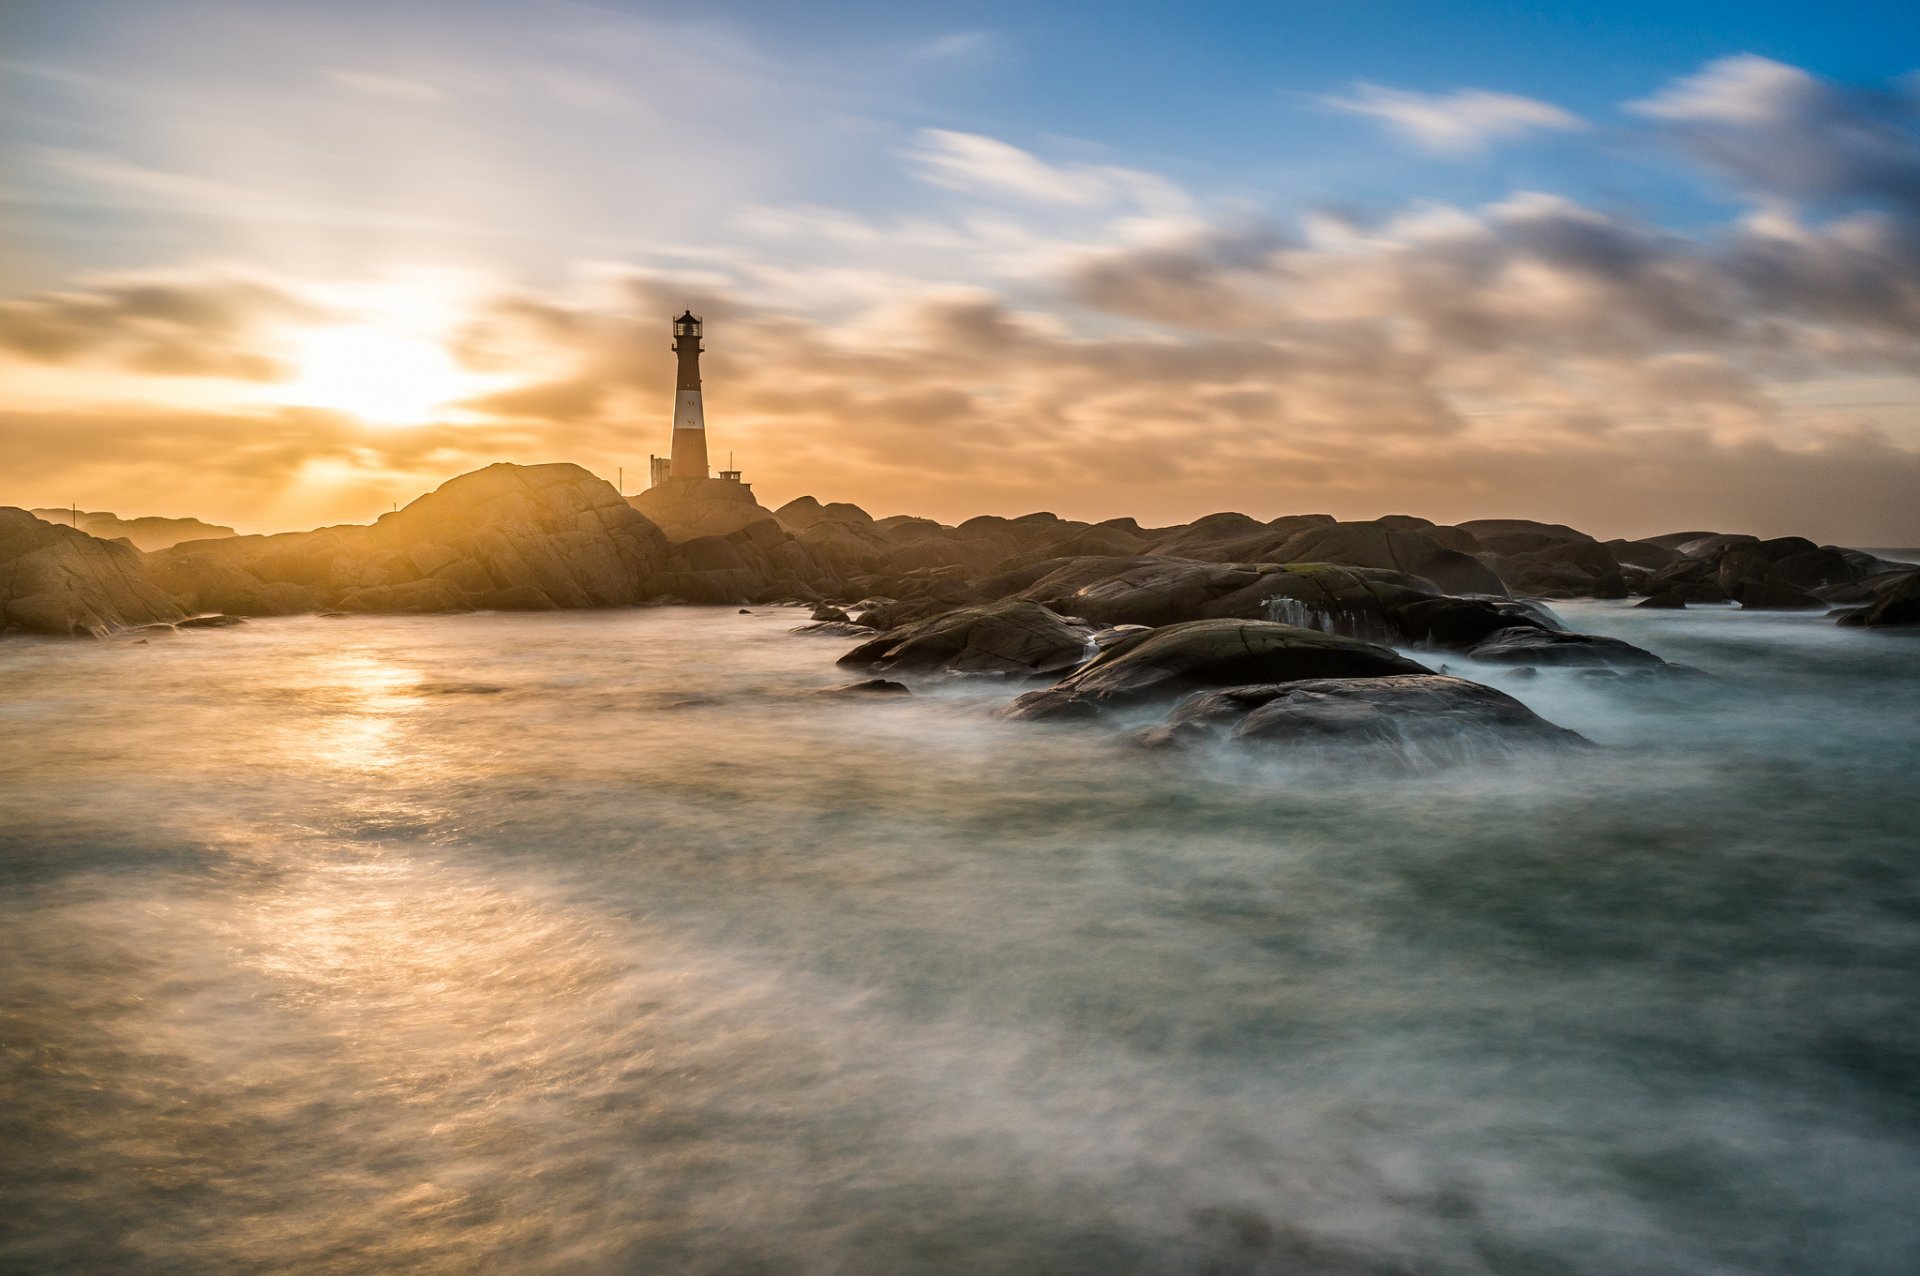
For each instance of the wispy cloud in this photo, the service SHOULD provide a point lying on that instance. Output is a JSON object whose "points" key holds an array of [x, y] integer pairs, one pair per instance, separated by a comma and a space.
{"points": [[1454, 123], [976, 164]]}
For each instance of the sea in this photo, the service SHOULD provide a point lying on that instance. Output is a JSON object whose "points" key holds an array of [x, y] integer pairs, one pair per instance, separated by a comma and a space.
{"points": [[604, 942]]}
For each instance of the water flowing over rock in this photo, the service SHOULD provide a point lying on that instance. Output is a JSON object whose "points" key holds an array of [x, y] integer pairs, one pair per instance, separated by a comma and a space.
{"points": [[1176, 659], [1525, 645], [57, 580], [1413, 719]]}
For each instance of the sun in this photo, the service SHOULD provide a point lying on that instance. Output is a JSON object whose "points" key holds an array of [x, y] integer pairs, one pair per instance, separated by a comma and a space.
{"points": [[378, 374]]}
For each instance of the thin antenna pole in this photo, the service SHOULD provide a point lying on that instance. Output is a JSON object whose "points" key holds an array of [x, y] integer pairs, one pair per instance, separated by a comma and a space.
{"points": [[622, 482]]}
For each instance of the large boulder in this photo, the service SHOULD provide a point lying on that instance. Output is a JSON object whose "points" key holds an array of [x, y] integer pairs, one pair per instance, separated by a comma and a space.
{"points": [[1159, 663], [1393, 549], [1008, 637], [1410, 719], [507, 535], [1783, 573], [803, 512], [686, 508], [1524, 645], [58, 580], [1142, 590], [1896, 602]]}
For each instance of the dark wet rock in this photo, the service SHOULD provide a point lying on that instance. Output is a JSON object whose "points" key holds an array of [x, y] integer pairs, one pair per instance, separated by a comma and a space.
{"points": [[1773, 595], [1206, 653], [1701, 545], [1418, 719], [1391, 549], [1531, 646], [1897, 603], [1665, 600], [1644, 555], [1783, 573], [827, 612], [869, 687], [833, 629], [1008, 637], [61, 581], [215, 621], [1142, 590]]}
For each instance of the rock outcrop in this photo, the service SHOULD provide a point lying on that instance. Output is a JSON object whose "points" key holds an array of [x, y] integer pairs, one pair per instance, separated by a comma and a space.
{"points": [[529, 537], [148, 532], [1009, 637], [1411, 719], [56, 580], [1896, 602], [1526, 645], [1171, 661], [685, 509]]}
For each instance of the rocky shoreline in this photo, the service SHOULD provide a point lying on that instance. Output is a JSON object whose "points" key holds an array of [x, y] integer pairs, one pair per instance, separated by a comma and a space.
{"points": [[1226, 628]]}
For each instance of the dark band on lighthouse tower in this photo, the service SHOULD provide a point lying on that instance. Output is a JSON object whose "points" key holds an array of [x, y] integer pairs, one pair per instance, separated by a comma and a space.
{"points": [[689, 420]]}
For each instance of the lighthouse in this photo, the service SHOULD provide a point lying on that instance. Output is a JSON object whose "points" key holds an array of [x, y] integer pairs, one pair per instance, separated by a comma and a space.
{"points": [[689, 421]]}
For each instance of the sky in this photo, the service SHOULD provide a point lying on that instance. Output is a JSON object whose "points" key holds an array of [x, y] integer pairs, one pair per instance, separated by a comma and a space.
{"points": [[1638, 268]]}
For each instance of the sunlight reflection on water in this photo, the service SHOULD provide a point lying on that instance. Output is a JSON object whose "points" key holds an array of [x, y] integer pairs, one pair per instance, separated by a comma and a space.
{"points": [[602, 942]]}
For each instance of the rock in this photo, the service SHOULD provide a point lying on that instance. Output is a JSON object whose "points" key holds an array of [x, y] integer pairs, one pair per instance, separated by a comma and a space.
{"points": [[1009, 637], [869, 687], [745, 611], [684, 509], [1772, 595], [531, 536], [833, 629], [1206, 653], [147, 533], [1897, 603], [1529, 646], [1393, 549], [1416, 719], [215, 621], [57, 580], [1143, 590], [826, 612], [1665, 600], [804, 512]]}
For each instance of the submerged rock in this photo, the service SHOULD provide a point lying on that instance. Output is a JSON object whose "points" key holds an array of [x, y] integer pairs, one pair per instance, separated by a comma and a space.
{"points": [[1417, 719], [1529, 646], [1010, 637], [869, 687], [1205, 653]]}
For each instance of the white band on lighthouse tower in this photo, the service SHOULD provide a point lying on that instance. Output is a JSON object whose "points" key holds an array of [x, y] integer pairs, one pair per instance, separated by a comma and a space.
{"points": [[686, 412]]}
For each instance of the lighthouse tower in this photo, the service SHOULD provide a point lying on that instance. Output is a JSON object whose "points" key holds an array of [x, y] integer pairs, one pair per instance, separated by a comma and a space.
{"points": [[689, 422]]}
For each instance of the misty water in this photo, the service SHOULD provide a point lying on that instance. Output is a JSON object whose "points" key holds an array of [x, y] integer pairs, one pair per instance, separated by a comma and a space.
{"points": [[601, 942]]}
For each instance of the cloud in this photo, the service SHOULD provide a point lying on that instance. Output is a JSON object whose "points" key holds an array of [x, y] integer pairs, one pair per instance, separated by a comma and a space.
{"points": [[1776, 130], [161, 323], [980, 165], [1454, 123], [374, 84]]}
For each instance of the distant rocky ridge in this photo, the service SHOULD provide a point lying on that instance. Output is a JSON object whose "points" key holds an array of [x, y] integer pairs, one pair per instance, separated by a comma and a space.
{"points": [[536, 537], [148, 532]]}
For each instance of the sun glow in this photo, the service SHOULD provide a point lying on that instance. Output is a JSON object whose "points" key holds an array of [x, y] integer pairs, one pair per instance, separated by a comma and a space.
{"points": [[381, 375]]}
